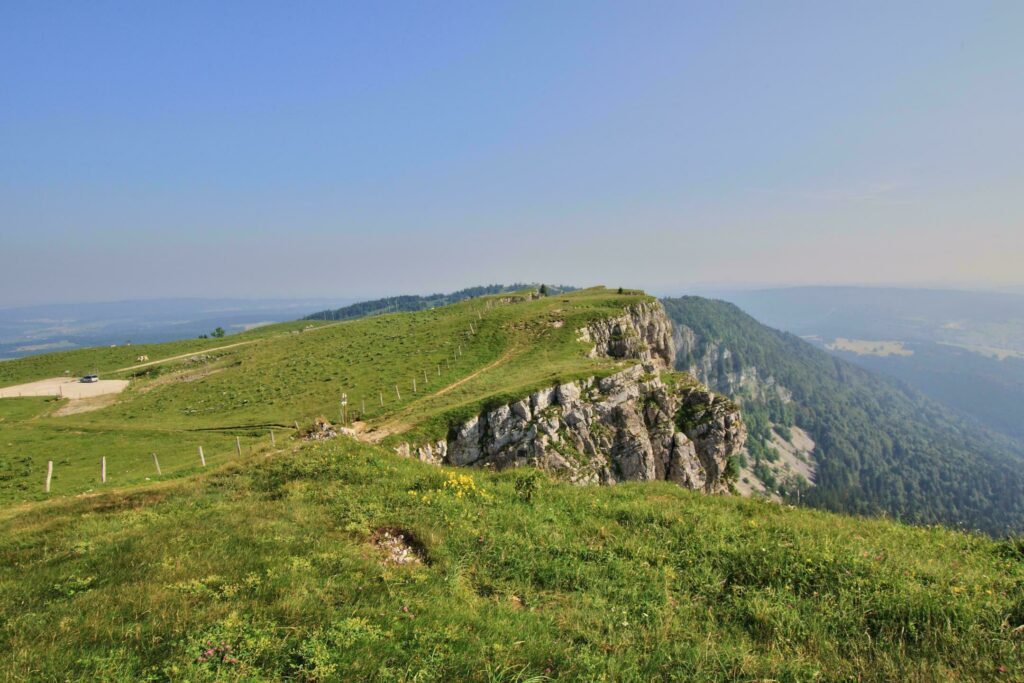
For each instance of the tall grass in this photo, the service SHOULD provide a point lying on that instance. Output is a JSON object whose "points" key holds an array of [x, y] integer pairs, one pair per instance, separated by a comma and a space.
{"points": [[270, 563]]}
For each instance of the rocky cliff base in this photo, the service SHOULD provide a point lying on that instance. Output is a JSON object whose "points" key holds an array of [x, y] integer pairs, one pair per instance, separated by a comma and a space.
{"points": [[630, 426]]}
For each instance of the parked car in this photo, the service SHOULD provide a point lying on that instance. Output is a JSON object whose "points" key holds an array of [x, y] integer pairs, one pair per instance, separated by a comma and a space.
{"points": [[89, 379]]}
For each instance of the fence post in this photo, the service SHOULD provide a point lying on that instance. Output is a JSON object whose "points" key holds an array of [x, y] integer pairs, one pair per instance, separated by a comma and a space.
{"points": [[157, 463], [273, 442], [238, 445], [398, 392], [103, 469], [49, 474], [202, 458]]}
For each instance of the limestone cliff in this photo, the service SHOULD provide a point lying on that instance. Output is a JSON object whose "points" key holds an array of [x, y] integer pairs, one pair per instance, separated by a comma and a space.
{"points": [[644, 332], [777, 458], [641, 423], [628, 426]]}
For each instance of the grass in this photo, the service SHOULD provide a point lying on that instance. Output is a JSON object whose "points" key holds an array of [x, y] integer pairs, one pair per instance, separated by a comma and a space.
{"points": [[266, 566], [269, 562], [28, 442], [273, 376], [107, 360]]}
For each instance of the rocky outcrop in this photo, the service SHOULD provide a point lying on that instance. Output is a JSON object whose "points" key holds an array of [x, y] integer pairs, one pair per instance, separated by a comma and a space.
{"points": [[644, 332], [639, 424], [629, 426], [322, 430]]}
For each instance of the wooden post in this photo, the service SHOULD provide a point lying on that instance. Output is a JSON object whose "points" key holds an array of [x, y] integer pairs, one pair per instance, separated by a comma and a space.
{"points": [[49, 474], [447, 365], [297, 426], [273, 441], [460, 350], [414, 385], [202, 458], [424, 378], [362, 409], [103, 469], [157, 463], [438, 369], [238, 445], [381, 397], [399, 393]]}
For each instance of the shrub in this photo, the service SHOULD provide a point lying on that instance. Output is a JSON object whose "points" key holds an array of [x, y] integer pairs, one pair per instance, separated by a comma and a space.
{"points": [[527, 484]]}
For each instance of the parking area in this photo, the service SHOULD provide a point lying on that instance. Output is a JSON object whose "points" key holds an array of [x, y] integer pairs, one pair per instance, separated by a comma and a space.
{"points": [[65, 387]]}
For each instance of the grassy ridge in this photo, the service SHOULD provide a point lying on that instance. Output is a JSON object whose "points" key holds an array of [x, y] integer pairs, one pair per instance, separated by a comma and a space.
{"points": [[107, 360], [267, 567], [274, 558], [485, 349]]}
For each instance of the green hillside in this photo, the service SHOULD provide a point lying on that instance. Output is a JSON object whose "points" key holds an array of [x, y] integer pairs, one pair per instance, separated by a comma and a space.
{"points": [[413, 302], [881, 447], [246, 385], [274, 568], [341, 561]]}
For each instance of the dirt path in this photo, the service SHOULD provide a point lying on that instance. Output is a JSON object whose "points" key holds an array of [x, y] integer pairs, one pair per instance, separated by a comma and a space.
{"points": [[505, 357], [186, 355], [395, 425], [220, 348]]}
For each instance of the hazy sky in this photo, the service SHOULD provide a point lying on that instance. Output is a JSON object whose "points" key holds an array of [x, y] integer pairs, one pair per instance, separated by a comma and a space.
{"points": [[356, 149]]}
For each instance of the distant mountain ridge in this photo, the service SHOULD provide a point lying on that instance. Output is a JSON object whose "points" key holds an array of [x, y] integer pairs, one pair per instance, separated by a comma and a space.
{"points": [[414, 302], [881, 447]]}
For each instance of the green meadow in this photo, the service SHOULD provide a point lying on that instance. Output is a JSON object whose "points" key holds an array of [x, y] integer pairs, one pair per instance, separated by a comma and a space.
{"points": [[274, 565], [270, 568], [459, 357]]}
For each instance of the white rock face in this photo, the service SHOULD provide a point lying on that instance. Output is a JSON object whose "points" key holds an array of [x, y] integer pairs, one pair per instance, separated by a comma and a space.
{"points": [[629, 426], [644, 333]]}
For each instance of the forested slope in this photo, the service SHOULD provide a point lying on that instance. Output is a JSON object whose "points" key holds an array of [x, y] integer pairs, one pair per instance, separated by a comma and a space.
{"points": [[881, 447]]}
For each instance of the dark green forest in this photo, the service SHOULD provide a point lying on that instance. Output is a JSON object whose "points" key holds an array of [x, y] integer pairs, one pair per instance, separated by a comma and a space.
{"points": [[882, 448]]}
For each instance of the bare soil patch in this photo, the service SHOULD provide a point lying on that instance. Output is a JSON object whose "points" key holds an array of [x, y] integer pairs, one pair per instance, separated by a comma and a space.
{"points": [[86, 405], [400, 546]]}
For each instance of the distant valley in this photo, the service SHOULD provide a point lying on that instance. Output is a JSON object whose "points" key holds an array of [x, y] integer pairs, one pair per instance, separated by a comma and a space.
{"points": [[964, 349]]}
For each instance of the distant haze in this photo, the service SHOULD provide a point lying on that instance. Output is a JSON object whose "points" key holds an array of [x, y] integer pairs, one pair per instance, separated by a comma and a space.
{"points": [[349, 151], [41, 329]]}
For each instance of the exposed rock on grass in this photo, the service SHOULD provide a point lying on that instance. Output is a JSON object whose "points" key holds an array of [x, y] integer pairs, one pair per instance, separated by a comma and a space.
{"points": [[630, 426], [399, 546]]}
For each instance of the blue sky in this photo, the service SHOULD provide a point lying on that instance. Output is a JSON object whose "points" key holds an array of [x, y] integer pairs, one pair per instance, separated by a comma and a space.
{"points": [[342, 149]]}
